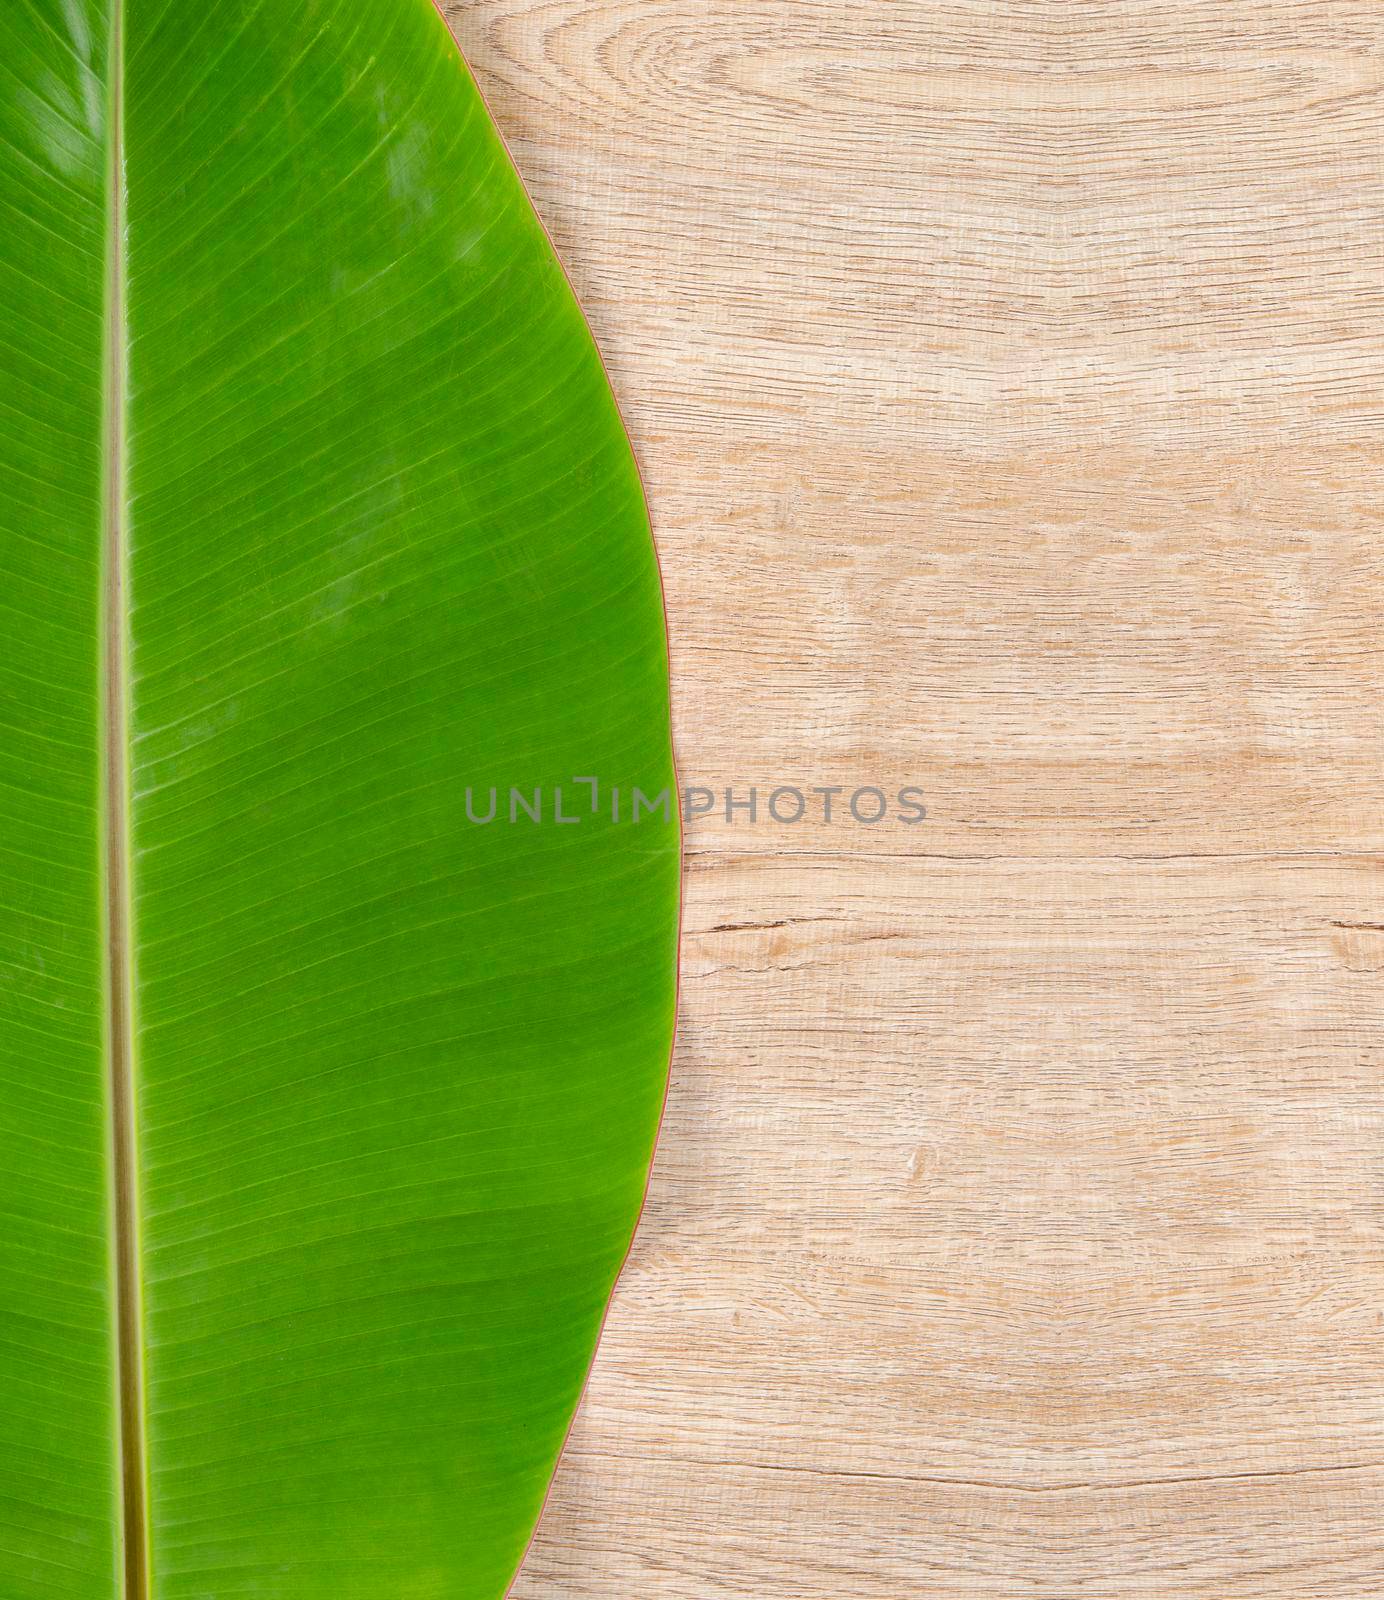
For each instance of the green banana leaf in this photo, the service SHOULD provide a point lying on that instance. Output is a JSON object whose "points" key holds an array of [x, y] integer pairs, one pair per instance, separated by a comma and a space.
{"points": [[325, 1110]]}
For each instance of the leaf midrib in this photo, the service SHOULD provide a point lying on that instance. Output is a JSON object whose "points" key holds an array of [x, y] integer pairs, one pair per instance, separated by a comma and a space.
{"points": [[116, 861]]}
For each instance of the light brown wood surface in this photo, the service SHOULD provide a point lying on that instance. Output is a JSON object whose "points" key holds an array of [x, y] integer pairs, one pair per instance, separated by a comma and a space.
{"points": [[1008, 379]]}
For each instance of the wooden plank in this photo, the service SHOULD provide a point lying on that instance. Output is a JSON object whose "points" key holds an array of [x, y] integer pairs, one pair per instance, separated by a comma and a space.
{"points": [[1101, 1207], [728, 1532], [1008, 380]]}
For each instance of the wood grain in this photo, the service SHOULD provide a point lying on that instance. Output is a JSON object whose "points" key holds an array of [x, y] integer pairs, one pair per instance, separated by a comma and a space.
{"points": [[1009, 383]]}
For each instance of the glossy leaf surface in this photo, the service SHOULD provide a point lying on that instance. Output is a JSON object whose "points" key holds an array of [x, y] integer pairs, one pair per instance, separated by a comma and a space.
{"points": [[298, 414]]}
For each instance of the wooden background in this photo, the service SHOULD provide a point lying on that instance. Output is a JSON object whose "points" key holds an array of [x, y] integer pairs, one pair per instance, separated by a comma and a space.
{"points": [[1009, 383]]}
